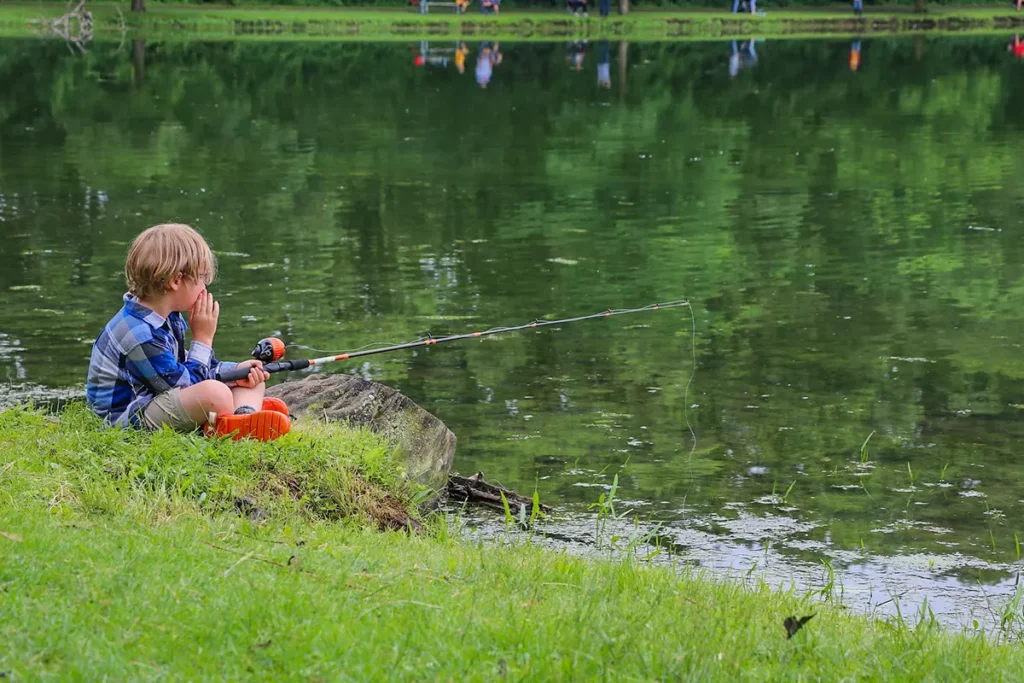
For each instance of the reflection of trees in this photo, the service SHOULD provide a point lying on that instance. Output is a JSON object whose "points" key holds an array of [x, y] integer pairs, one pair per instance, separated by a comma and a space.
{"points": [[399, 197]]}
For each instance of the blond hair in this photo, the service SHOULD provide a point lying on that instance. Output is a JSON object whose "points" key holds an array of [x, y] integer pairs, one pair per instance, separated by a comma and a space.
{"points": [[160, 253]]}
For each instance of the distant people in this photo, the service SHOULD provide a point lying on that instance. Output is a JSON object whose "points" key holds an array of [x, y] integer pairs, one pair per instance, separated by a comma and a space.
{"points": [[577, 51], [1016, 47], [577, 7], [490, 6], [461, 6], [744, 6], [605, 7], [858, 7], [741, 57], [460, 58], [488, 57], [604, 71], [854, 55]]}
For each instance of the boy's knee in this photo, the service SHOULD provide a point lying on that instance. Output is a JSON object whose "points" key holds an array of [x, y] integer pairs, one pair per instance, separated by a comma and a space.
{"points": [[216, 390], [210, 395]]}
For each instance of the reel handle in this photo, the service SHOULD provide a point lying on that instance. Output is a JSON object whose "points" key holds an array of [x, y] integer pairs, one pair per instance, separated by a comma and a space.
{"points": [[236, 374]]}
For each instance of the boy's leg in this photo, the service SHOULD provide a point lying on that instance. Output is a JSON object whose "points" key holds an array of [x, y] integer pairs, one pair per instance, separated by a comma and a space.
{"points": [[199, 400], [253, 398], [189, 408]]}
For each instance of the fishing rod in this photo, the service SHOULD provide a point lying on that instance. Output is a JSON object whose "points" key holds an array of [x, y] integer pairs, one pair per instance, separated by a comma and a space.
{"points": [[271, 350]]}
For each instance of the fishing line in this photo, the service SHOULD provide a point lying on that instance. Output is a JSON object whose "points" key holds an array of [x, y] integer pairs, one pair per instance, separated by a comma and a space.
{"points": [[686, 403]]}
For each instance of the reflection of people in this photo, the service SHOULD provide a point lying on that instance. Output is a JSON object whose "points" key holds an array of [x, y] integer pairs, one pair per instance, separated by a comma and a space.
{"points": [[854, 55], [740, 58], [577, 51], [1016, 47], [604, 73], [486, 60], [460, 58]]}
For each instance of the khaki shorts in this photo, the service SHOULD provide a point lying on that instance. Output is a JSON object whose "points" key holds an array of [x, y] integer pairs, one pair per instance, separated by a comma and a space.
{"points": [[166, 409]]}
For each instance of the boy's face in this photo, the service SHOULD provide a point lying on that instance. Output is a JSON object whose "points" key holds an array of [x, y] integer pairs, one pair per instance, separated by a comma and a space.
{"points": [[185, 291]]}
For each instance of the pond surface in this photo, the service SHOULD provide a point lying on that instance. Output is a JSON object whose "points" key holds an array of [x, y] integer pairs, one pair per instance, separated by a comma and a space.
{"points": [[850, 241]]}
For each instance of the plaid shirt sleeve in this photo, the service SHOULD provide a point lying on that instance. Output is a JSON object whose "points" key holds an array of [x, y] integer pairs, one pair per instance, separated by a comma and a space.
{"points": [[153, 364]]}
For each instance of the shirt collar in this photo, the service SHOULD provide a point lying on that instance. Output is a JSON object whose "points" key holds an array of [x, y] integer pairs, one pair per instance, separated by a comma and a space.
{"points": [[133, 307]]}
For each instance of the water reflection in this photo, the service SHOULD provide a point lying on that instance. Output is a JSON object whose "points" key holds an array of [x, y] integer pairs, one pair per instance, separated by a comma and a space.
{"points": [[487, 58], [604, 72], [742, 55], [849, 245]]}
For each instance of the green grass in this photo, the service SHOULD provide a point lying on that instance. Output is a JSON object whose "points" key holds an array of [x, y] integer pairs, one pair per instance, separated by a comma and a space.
{"points": [[403, 23], [316, 473], [114, 565]]}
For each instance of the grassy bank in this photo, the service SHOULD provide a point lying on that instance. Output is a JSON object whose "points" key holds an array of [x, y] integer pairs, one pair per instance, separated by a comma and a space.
{"points": [[404, 23], [124, 556]]}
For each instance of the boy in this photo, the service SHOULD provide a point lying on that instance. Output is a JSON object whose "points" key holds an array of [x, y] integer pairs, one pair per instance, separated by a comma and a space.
{"points": [[140, 375]]}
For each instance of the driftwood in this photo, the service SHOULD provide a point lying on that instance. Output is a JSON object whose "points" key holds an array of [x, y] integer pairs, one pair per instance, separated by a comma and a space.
{"points": [[474, 490]]}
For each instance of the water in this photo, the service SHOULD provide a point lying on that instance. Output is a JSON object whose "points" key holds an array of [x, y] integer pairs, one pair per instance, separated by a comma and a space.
{"points": [[849, 241]]}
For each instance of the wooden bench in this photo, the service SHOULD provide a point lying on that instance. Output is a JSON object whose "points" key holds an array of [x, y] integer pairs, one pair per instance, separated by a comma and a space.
{"points": [[425, 5]]}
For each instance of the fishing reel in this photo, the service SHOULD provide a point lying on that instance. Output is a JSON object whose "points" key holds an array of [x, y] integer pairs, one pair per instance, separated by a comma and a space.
{"points": [[268, 350]]}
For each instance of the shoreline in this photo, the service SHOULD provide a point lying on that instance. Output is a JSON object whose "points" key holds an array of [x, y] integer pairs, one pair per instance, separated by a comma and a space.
{"points": [[403, 24]]}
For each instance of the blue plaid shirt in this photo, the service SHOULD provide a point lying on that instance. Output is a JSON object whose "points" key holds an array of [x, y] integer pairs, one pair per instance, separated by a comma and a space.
{"points": [[139, 355]]}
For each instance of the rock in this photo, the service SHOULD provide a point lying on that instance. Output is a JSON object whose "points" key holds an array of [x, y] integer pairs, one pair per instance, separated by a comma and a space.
{"points": [[427, 445]]}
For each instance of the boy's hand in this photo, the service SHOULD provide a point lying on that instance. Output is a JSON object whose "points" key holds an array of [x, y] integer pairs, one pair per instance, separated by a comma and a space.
{"points": [[202, 318], [257, 375]]}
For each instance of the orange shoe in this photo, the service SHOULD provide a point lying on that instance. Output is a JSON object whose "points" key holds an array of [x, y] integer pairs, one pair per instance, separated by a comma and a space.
{"points": [[275, 404], [263, 425]]}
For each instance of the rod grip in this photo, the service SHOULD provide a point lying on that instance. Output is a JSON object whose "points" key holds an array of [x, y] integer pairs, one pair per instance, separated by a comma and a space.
{"points": [[236, 374]]}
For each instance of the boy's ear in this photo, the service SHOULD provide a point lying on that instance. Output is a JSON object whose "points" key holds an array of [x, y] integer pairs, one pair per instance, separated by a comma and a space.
{"points": [[175, 283]]}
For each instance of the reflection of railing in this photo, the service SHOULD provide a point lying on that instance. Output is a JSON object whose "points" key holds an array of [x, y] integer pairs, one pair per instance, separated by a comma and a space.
{"points": [[437, 56]]}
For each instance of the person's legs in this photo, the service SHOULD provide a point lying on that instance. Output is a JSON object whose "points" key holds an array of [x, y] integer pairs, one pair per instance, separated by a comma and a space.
{"points": [[735, 6], [195, 403], [605, 7], [241, 396], [210, 396]]}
